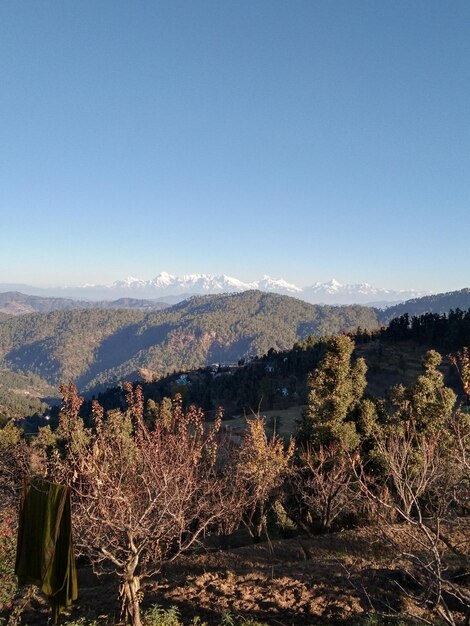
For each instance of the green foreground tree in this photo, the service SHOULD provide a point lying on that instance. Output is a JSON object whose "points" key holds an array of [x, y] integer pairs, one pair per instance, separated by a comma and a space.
{"points": [[428, 403], [336, 389]]}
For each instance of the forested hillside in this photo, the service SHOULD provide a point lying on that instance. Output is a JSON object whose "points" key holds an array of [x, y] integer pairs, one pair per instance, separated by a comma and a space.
{"points": [[101, 347], [437, 303], [444, 332], [277, 379], [59, 345], [20, 394]]}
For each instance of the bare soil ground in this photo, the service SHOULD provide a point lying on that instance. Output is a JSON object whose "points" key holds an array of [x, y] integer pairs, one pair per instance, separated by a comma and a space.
{"points": [[328, 579]]}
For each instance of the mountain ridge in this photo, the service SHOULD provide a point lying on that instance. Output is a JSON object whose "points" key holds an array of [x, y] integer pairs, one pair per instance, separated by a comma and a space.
{"points": [[97, 348], [174, 287], [100, 347], [17, 303], [438, 303]]}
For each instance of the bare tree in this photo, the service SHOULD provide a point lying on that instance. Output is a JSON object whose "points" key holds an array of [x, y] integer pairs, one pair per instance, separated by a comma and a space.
{"points": [[141, 496], [461, 362], [422, 475], [461, 421], [325, 484]]}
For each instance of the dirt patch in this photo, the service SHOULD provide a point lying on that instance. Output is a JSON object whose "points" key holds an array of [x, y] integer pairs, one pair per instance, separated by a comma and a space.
{"points": [[327, 579]]}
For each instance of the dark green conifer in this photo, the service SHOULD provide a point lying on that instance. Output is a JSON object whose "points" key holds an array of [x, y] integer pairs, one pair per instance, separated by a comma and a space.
{"points": [[336, 388]]}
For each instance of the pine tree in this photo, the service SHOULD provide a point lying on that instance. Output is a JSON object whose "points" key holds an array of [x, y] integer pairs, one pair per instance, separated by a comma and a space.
{"points": [[428, 402], [335, 392]]}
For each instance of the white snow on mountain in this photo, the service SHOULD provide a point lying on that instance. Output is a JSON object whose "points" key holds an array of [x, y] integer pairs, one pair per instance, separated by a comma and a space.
{"points": [[177, 288], [333, 292], [333, 286], [199, 283], [129, 282], [277, 285], [165, 283]]}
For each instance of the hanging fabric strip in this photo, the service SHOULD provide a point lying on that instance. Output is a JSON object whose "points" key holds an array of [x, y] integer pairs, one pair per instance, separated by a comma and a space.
{"points": [[45, 555]]}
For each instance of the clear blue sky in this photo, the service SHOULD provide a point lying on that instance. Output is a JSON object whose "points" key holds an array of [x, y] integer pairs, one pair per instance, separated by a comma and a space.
{"points": [[303, 139]]}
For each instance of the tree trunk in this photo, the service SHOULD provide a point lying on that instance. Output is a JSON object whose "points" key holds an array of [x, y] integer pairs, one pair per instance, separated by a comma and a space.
{"points": [[258, 523], [130, 598]]}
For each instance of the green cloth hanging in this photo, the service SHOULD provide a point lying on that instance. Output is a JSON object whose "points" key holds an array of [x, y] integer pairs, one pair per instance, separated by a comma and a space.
{"points": [[45, 556]]}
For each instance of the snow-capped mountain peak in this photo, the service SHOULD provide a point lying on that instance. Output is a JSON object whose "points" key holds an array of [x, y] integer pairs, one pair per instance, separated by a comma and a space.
{"points": [[333, 285], [163, 279], [277, 284], [177, 288], [130, 281]]}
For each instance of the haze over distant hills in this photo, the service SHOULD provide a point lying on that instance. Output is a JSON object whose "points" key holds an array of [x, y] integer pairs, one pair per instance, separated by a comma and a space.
{"points": [[16, 303], [172, 289]]}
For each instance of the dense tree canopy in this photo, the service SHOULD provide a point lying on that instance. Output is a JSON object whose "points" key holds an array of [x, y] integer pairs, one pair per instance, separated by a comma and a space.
{"points": [[102, 347]]}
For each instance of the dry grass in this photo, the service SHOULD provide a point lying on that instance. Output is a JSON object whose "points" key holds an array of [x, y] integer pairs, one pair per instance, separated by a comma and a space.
{"points": [[284, 421]]}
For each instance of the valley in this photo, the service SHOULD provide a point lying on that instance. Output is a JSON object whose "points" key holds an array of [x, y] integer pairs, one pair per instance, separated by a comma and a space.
{"points": [[99, 348], [102, 347]]}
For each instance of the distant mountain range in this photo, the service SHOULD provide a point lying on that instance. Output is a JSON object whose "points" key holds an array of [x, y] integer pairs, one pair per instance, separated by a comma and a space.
{"points": [[16, 303], [172, 289]]}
